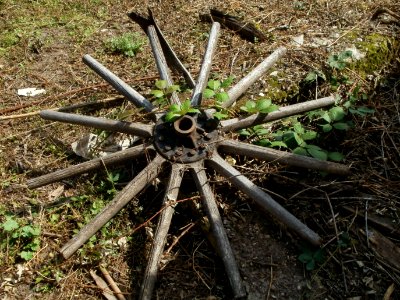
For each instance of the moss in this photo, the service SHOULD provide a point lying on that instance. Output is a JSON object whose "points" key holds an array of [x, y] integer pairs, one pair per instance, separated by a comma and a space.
{"points": [[379, 51]]}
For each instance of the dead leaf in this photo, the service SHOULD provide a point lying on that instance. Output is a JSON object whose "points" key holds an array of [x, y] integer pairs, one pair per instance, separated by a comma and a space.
{"points": [[56, 193]]}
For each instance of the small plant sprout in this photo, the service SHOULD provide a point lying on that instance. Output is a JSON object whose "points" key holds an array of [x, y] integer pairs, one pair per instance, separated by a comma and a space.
{"points": [[128, 44], [263, 106], [215, 89], [19, 239], [339, 61], [175, 111], [163, 92], [311, 258]]}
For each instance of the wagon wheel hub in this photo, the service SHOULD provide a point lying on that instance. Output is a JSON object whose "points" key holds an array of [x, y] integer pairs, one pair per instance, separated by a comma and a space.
{"points": [[187, 139]]}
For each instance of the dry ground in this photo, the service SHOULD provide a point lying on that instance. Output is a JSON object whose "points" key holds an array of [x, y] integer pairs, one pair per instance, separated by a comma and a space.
{"points": [[41, 46]]}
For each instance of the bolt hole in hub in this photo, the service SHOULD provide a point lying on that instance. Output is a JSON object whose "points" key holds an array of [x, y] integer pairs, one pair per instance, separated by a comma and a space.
{"points": [[188, 139]]}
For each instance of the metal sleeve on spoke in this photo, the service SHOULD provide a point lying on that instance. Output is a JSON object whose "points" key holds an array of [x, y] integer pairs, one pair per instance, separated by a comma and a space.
{"points": [[206, 65], [263, 199], [218, 229], [288, 158], [236, 91], [117, 83], [141, 130], [123, 197], [160, 235], [87, 166], [287, 111]]}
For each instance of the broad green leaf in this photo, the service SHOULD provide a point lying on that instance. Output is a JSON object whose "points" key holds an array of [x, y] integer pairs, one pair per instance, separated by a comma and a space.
{"points": [[278, 144], [298, 139], [298, 128], [336, 113], [222, 97], [347, 104], [27, 255], [34, 245], [310, 265], [262, 131], [157, 93], [300, 151], [29, 231], [10, 224], [193, 110], [173, 88], [365, 110], [244, 132], [264, 143], [309, 135], [263, 104], [171, 116], [185, 106], [227, 82], [335, 156], [319, 154], [305, 257], [251, 105], [269, 109], [219, 115], [311, 76], [174, 108], [161, 84], [315, 147], [214, 84], [207, 94], [289, 139], [326, 117], [341, 126], [345, 54], [326, 127]]}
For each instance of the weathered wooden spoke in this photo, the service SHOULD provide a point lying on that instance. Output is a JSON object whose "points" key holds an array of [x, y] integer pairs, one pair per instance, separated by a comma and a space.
{"points": [[118, 84], [146, 176], [88, 166], [273, 155], [140, 130], [190, 143], [263, 199], [160, 236], [218, 230]]}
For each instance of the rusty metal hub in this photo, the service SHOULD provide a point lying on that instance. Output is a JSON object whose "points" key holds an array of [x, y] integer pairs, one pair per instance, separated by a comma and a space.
{"points": [[188, 139]]}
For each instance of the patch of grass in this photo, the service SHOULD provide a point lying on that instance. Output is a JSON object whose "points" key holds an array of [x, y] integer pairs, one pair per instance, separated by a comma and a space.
{"points": [[18, 238], [30, 20], [128, 44]]}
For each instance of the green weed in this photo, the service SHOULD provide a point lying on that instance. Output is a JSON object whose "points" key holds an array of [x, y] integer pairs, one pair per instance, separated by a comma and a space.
{"points": [[19, 238], [128, 44]]}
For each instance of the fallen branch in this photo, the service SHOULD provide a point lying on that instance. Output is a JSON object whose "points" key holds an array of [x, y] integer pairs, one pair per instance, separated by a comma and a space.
{"points": [[112, 283], [107, 293]]}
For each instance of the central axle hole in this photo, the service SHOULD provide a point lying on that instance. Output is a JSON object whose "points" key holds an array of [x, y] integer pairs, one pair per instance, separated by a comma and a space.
{"points": [[185, 125]]}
